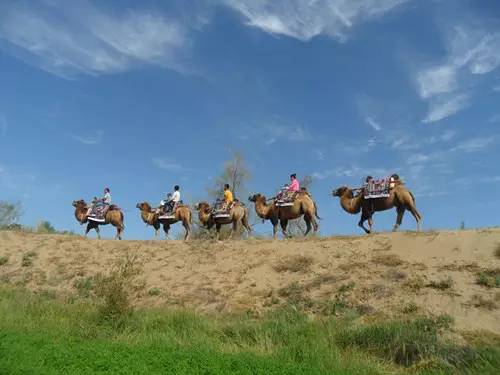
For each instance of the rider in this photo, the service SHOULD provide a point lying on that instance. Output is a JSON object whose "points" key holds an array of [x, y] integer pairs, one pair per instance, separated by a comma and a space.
{"points": [[228, 197], [173, 199], [294, 187], [104, 201]]}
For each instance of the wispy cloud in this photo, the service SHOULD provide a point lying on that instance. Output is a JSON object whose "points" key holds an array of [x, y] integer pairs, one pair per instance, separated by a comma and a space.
{"points": [[373, 123], [92, 139], [72, 38], [474, 144], [167, 164], [445, 106], [471, 52], [306, 19]]}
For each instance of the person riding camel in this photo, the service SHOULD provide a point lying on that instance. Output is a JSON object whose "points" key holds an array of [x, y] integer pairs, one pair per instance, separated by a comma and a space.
{"points": [[294, 187], [173, 200], [228, 197], [104, 202]]}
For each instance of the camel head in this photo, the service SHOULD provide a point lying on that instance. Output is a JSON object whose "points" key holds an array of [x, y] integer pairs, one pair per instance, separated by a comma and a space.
{"points": [[202, 206], [256, 197], [144, 206], [79, 204], [340, 191]]}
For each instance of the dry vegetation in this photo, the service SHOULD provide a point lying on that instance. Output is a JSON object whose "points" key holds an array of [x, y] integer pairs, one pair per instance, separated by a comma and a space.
{"points": [[375, 276]]}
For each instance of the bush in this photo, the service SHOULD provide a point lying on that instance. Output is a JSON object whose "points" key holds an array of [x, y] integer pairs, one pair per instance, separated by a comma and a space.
{"points": [[45, 227], [116, 290], [9, 213], [406, 342], [4, 260]]}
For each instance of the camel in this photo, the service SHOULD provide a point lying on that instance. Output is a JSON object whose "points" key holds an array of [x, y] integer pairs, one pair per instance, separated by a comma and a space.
{"points": [[303, 205], [113, 216], [238, 214], [183, 213], [400, 197]]}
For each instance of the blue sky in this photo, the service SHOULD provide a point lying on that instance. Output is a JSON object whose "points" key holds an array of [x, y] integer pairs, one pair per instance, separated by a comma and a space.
{"points": [[141, 97]]}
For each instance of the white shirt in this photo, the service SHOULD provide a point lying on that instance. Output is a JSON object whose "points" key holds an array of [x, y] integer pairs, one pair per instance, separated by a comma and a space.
{"points": [[176, 197], [107, 198]]}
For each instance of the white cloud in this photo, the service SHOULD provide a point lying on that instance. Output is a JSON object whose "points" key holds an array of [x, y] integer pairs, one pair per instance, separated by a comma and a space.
{"points": [[445, 106], [496, 88], [495, 118], [167, 164], [306, 19], [474, 144], [92, 139], [73, 38], [373, 123], [437, 80], [471, 52], [418, 159]]}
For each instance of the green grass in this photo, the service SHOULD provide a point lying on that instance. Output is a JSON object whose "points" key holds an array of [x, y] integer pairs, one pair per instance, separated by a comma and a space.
{"points": [[42, 335], [489, 278]]}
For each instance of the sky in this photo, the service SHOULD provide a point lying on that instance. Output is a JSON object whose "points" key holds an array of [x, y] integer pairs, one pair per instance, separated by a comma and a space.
{"points": [[139, 96]]}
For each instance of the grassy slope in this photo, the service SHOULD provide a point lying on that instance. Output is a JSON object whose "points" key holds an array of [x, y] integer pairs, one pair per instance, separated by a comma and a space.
{"points": [[44, 335]]}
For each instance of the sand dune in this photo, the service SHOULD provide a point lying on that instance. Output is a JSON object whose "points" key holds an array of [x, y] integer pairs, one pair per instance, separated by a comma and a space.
{"points": [[381, 274]]}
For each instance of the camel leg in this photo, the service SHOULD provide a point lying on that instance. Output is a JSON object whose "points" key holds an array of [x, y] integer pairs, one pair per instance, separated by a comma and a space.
{"points": [[417, 217], [98, 231], [275, 228], [87, 230], [186, 226], [399, 218], [247, 226], [370, 223], [166, 229], [361, 223], [157, 229], [217, 228], [307, 219], [284, 224]]}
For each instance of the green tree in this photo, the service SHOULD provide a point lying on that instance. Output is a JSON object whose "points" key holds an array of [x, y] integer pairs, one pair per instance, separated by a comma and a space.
{"points": [[9, 213]]}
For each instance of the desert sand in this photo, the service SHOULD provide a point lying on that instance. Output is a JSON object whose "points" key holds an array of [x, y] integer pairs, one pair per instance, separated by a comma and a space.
{"points": [[384, 274]]}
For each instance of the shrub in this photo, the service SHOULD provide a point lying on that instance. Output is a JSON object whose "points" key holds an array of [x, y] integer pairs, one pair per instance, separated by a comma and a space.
{"points": [[4, 260], [45, 227], [390, 260], [115, 291], [441, 284], [489, 278], [154, 292], [294, 263], [496, 252], [27, 260], [9, 213], [84, 286], [406, 342]]}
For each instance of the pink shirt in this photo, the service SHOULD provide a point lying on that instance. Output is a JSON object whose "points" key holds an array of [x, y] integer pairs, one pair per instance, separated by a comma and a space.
{"points": [[294, 186]]}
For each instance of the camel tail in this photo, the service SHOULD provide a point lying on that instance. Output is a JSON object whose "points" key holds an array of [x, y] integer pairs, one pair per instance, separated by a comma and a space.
{"points": [[316, 212]]}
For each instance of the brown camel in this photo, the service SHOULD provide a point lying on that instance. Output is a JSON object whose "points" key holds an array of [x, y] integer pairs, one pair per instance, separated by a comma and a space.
{"points": [[183, 213], [114, 216], [400, 197], [303, 205], [238, 214]]}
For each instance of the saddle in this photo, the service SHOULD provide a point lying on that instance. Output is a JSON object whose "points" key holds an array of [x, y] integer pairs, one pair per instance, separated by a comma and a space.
{"points": [[378, 188], [222, 209], [285, 198], [168, 212]]}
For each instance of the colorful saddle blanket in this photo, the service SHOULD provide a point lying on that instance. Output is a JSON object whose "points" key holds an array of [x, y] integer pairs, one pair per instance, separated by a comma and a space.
{"points": [[285, 198], [377, 188], [98, 212]]}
